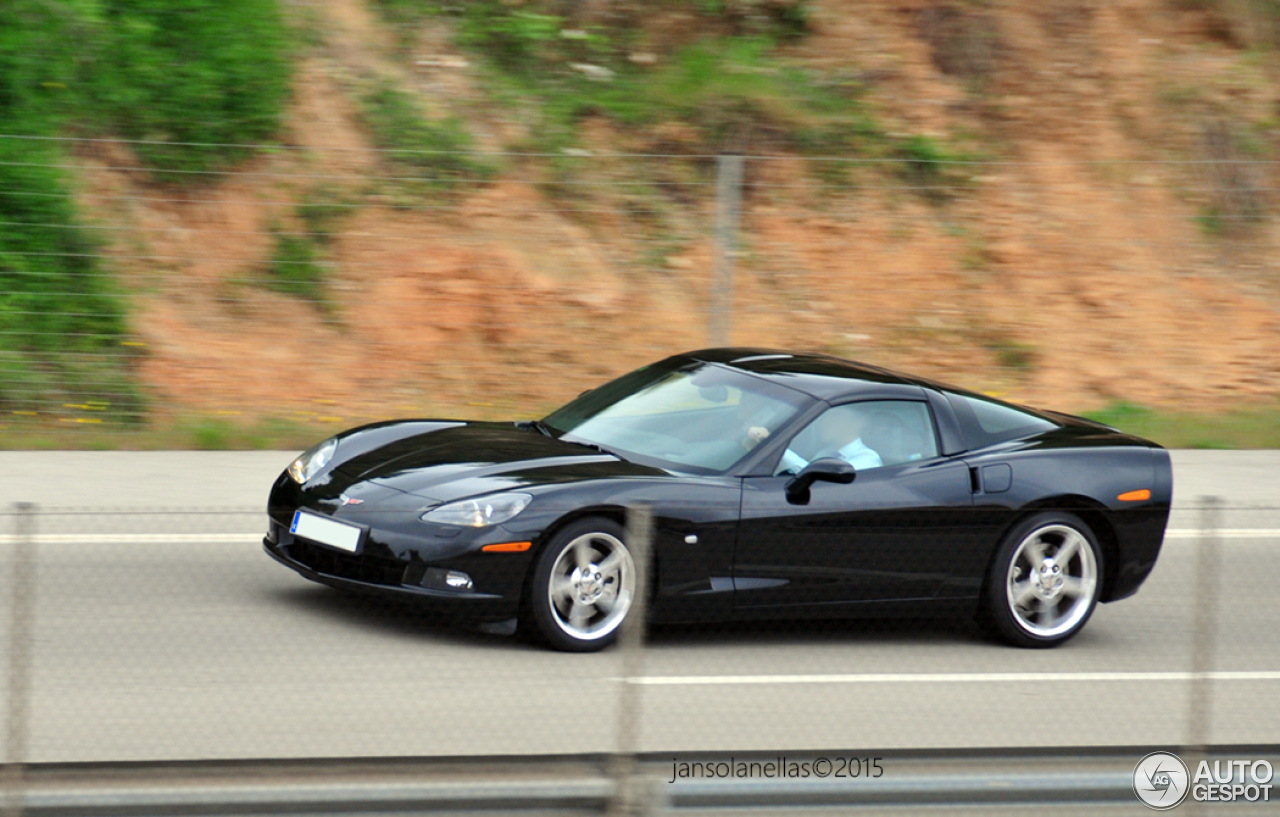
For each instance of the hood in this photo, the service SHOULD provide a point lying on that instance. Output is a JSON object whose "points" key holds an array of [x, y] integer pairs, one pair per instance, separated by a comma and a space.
{"points": [[447, 461]]}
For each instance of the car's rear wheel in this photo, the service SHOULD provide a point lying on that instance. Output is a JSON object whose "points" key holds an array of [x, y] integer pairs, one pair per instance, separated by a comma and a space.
{"points": [[583, 586], [1044, 583]]}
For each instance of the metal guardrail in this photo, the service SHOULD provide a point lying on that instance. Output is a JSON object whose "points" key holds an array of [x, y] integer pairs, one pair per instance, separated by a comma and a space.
{"points": [[584, 785]]}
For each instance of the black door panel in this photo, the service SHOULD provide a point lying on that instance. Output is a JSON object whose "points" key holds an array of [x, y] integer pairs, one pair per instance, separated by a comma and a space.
{"points": [[894, 533]]}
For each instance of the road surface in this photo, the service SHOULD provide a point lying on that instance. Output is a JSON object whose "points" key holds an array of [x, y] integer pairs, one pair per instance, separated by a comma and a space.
{"points": [[172, 636]]}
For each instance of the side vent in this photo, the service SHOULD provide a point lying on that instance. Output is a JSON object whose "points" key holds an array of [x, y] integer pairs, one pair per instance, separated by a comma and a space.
{"points": [[974, 484]]}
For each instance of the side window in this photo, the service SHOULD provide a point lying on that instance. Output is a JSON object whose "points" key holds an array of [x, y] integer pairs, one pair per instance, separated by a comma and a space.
{"points": [[867, 435], [987, 422]]}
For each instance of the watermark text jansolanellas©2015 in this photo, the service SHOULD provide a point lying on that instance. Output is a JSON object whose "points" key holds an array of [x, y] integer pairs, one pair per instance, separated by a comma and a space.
{"points": [[838, 767], [1162, 781]]}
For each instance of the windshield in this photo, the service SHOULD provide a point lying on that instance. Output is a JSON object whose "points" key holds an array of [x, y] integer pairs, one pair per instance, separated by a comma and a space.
{"points": [[695, 417]]}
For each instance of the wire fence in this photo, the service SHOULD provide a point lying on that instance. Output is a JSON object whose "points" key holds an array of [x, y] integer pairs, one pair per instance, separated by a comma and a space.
{"points": [[337, 286], [168, 635]]}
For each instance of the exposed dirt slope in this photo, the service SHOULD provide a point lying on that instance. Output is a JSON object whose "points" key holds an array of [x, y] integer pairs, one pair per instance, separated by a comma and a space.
{"points": [[1074, 273]]}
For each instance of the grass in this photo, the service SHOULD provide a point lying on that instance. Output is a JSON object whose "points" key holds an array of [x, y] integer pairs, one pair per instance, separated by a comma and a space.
{"points": [[322, 211], [193, 433], [932, 170], [730, 81], [298, 264], [435, 152], [1252, 427], [1249, 427], [733, 90], [296, 268]]}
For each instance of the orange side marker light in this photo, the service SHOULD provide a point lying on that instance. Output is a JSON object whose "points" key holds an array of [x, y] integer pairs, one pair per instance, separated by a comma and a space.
{"points": [[1135, 496], [508, 547]]}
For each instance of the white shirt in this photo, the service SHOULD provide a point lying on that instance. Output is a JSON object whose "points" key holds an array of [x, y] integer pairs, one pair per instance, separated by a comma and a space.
{"points": [[855, 453]]}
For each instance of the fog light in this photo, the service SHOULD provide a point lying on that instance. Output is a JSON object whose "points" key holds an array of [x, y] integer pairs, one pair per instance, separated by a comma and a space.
{"points": [[458, 580]]}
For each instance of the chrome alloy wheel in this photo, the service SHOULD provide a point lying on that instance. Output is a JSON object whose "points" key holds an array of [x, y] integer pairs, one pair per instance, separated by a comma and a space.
{"points": [[592, 584], [1052, 580]]}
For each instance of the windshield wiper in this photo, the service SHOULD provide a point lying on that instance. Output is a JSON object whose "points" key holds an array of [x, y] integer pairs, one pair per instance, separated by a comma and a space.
{"points": [[546, 429], [596, 447], [537, 425]]}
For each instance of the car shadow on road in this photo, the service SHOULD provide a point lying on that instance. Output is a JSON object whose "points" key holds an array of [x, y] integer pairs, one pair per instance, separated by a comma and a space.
{"points": [[388, 616], [402, 619], [924, 631]]}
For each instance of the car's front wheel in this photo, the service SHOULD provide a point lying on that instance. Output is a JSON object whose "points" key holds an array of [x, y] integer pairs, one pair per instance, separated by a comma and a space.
{"points": [[583, 586], [1044, 582]]}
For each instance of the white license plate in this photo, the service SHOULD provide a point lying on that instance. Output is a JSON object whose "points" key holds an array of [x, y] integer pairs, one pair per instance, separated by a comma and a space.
{"points": [[329, 532]]}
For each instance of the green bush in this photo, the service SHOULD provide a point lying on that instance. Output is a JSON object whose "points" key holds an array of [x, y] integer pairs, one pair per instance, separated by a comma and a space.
{"points": [[213, 73], [60, 322], [510, 36], [168, 71], [296, 268]]}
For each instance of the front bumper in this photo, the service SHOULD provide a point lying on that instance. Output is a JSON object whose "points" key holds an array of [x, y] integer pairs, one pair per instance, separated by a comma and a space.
{"points": [[498, 577]]}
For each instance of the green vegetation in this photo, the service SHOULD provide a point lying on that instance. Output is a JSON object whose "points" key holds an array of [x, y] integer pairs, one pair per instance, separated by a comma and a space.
{"points": [[207, 433], [1251, 427], [436, 152], [181, 73], [1013, 355], [729, 83], [160, 71], [1210, 220], [732, 90], [511, 36], [322, 210], [60, 322], [725, 79], [932, 171], [296, 267]]}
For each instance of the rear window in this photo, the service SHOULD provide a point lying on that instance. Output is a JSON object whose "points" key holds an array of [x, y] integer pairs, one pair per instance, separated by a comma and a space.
{"points": [[986, 421]]}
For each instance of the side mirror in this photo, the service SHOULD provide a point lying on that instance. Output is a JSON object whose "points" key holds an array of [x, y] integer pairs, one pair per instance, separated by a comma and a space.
{"points": [[827, 469]]}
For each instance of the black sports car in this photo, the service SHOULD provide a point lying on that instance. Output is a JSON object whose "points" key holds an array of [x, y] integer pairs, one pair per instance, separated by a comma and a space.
{"points": [[782, 485]]}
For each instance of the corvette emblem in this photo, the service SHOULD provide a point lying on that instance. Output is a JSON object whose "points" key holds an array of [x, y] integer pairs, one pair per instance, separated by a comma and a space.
{"points": [[346, 500]]}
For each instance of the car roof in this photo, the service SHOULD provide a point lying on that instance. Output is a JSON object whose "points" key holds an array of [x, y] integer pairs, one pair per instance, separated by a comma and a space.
{"points": [[821, 376]]}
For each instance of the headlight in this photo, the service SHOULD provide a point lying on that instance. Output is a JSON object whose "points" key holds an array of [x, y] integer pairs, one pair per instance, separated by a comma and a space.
{"points": [[477, 513], [312, 461]]}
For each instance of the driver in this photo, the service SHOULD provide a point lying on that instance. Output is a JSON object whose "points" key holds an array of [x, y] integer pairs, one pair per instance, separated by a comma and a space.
{"points": [[839, 433]]}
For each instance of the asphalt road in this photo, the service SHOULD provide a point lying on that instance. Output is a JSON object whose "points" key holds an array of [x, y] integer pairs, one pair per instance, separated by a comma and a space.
{"points": [[172, 636]]}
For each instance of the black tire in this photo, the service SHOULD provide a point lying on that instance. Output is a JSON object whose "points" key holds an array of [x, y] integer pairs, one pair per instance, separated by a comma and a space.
{"points": [[561, 617], [1023, 599]]}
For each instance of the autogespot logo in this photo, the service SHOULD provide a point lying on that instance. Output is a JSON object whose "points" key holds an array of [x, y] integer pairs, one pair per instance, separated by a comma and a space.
{"points": [[1161, 780]]}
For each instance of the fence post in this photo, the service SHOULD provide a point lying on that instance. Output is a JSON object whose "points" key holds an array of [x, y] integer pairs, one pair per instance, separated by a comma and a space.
{"points": [[22, 603], [632, 793], [1203, 629], [728, 208]]}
